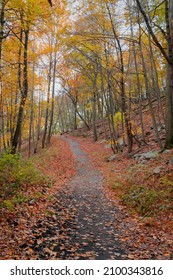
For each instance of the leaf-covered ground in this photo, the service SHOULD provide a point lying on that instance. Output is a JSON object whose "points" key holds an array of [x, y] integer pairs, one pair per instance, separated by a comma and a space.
{"points": [[82, 216], [16, 234]]}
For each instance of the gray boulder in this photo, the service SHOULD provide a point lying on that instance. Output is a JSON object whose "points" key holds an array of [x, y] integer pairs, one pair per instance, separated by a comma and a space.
{"points": [[166, 151], [149, 155], [144, 161], [157, 170], [102, 141], [111, 158], [108, 146]]}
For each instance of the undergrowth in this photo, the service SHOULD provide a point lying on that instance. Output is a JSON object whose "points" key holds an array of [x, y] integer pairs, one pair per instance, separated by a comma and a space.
{"points": [[149, 199], [142, 191], [16, 174]]}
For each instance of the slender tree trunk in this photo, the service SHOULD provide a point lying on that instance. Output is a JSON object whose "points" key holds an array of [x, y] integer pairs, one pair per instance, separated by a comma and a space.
{"points": [[122, 84], [137, 72], [169, 96], [38, 125], [2, 15], [148, 92], [94, 100], [74, 101], [53, 99], [155, 86], [31, 137], [75, 117], [48, 102], [19, 83], [94, 116], [2, 128], [24, 94]]}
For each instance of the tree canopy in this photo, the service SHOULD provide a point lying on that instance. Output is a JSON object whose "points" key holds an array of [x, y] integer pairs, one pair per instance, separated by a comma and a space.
{"points": [[64, 64]]}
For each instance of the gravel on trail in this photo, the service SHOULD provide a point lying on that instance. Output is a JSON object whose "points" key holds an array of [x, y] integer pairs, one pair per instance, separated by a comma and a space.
{"points": [[84, 224]]}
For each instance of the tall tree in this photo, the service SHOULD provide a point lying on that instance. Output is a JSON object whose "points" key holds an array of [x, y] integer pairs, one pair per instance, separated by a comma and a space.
{"points": [[169, 59]]}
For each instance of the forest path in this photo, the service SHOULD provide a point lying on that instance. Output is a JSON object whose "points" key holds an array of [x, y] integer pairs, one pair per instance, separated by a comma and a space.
{"points": [[84, 220], [95, 231]]}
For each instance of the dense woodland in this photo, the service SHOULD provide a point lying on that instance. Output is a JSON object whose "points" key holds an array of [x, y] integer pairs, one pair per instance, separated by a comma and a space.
{"points": [[86, 129], [68, 64]]}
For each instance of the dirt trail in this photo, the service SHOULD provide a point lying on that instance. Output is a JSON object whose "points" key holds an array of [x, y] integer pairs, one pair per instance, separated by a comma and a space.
{"points": [[96, 215]]}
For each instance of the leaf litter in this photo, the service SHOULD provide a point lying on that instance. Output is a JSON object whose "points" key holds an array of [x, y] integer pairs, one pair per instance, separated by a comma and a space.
{"points": [[77, 218]]}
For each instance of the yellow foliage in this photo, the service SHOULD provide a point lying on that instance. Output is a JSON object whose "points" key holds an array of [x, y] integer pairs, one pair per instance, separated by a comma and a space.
{"points": [[88, 107], [117, 119]]}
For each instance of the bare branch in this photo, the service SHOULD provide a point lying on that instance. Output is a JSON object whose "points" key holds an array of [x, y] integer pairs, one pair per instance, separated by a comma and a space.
{"points": [[152, 33]]}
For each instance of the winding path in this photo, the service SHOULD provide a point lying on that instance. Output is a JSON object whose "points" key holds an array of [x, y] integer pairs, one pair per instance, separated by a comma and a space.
{"points": [[96, 216], [85, 223]]}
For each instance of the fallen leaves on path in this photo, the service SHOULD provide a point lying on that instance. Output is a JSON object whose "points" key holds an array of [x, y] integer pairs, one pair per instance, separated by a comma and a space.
{"points": [[145, 237]]}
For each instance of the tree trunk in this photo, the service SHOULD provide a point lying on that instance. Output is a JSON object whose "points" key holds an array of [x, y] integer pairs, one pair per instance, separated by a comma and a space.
{"points": [[1, 101], [75, 116], [94, 116], [148, 90], [169, 113], [53, 97], [169, 96], [122, 83], [24, 94], [48, 101], [31, 132], [137, 73]]}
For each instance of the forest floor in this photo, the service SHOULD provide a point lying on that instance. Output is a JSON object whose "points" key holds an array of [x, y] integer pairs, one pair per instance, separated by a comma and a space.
{"points": [[82, 215]]}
